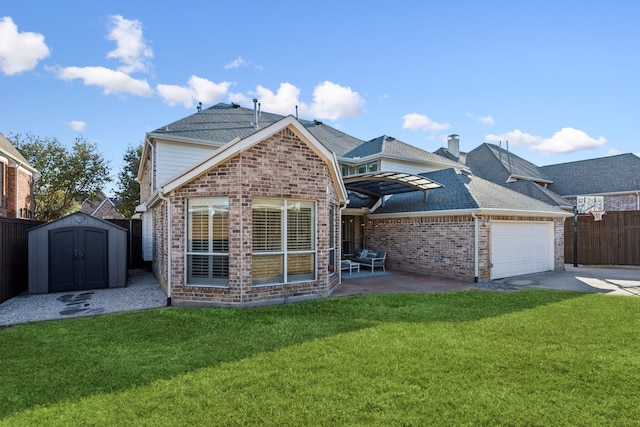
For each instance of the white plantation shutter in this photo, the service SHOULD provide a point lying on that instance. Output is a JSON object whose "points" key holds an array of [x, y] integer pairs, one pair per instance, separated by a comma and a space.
{"points": [[208, 241], [283, 254]]}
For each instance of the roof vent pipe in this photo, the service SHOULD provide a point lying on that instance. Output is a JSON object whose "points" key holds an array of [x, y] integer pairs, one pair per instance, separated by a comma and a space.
{"points": [[255, 113], [296, 112], [509, 158]]}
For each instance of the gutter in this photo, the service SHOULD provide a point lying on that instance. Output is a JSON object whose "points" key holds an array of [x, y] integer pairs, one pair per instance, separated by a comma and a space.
{"points": [[465, 212], [166, 199]]}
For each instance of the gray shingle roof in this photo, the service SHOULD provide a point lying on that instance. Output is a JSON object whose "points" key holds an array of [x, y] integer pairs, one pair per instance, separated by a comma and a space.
{"points": [[497, 164], [222, 123], [389, 146], [463, 191], [611, 174], [537, 191]]}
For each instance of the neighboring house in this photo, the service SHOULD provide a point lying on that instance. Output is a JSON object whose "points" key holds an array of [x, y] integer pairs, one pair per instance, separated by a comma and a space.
{"points": [[616, 178], [17, 198], [101, 206], [241, 207]]}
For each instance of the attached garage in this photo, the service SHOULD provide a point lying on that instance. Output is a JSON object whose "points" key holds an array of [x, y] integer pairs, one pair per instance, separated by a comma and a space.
{"points": [[75, 253], [521, 247]]}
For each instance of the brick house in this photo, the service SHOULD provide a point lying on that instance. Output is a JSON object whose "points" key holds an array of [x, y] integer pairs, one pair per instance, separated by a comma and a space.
{"points": [[17, 199], [101, 206], [255, 223], [242, 208]]}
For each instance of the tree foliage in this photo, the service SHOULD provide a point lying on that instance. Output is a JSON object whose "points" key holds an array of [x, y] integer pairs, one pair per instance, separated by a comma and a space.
{"points": [[67, 176], [128, 187]]}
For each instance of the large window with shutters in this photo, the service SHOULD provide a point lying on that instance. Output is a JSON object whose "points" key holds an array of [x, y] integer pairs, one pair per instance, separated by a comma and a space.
{"points": [[208, 241], [284, 244]]}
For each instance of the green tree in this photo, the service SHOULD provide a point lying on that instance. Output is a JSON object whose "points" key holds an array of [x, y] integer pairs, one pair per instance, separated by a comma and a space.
{"points": [[128, 187], [67, 176]]}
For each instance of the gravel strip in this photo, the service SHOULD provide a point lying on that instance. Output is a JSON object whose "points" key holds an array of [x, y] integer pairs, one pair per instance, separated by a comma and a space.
{"points": [[142, 292]]}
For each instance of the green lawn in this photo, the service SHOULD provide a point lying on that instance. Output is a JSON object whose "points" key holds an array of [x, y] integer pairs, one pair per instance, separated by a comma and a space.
{"points": [[463, 358]]}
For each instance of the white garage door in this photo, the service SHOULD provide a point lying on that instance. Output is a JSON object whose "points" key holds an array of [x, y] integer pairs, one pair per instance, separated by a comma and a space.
{"points": [[521, 248]]}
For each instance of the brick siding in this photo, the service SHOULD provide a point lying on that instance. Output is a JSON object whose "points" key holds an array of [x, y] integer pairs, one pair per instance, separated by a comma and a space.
{"points": [[281, 166], [444, 245], [25, 205]]}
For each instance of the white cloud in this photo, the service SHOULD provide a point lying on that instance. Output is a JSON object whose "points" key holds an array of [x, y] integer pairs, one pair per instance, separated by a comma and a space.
{"points": [[197, 90], [332, 101], [516, 137], [112, 81], [132, 48], [566, 140], [19, 52], [416, 122], [237, 63], [613, 152], [487, 120], [283, 101], [76, 125]]}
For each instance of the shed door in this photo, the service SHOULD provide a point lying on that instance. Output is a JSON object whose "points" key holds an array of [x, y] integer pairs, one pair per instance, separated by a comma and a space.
{"points": [[521, 248], [78, 259]]}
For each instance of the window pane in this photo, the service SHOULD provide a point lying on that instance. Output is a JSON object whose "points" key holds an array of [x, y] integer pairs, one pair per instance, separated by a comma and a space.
{"points": [[300, 226], [198, 229], [300, 267], [208, 269], [267, 269], [219, 230], [208, 237], [267, 225]]}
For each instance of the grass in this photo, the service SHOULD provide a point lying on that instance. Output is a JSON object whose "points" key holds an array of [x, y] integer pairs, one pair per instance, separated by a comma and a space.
{"points": [[464, 358]]}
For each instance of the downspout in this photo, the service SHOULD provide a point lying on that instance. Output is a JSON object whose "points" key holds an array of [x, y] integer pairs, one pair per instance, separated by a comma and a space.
{"points": [[166, 199], [475, 247], [342, 207]]}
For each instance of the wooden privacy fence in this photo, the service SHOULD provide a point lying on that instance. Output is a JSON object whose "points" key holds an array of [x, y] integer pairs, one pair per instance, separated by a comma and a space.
{"points": [[613, 241], [134, 241], [14, 256]]}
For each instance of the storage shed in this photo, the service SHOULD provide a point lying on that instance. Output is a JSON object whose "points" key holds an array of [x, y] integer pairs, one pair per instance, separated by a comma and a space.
{"points": [[77, 252]]}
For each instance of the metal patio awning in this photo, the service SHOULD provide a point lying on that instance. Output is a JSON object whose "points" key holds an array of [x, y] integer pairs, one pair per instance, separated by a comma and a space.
{"points": [[378, 184]]}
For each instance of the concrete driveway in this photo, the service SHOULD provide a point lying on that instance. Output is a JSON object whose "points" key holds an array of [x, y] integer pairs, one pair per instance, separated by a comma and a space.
{"points": [[613, 280]]}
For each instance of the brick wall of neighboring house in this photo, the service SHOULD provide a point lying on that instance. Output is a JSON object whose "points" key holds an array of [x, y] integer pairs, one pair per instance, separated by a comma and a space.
{"points": [[618, 202], [443, 245], [282, 166], [3, 189], [25, 205], [621, 202]]}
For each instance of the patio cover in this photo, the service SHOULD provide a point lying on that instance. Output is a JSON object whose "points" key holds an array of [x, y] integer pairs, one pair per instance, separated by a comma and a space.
{"points": [[378, 184]]}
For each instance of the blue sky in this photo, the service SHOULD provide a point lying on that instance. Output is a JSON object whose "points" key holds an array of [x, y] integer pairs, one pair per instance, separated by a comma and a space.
{"points": [[557, 79]]}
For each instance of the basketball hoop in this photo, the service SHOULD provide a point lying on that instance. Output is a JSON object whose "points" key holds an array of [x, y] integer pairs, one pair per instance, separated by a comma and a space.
{"points": [[597, 215]]}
